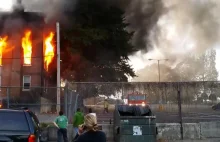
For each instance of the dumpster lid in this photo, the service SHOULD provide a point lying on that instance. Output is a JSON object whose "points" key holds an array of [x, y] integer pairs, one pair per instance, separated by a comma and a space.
{"points": [[140, 117]]}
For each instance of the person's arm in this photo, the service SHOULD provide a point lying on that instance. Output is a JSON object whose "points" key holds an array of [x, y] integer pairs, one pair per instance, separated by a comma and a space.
{"points": [[55, 122], [75, 138], [67, 121]]}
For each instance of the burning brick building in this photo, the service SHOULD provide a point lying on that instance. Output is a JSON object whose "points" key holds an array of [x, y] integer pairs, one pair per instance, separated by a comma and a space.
{"points": [[26, 50]]}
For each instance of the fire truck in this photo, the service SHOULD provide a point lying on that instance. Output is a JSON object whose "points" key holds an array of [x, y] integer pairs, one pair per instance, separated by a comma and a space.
{"points": [[137, 98]]}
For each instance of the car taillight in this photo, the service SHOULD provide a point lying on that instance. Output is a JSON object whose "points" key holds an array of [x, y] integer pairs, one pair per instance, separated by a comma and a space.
{"points": [[31, 138]]}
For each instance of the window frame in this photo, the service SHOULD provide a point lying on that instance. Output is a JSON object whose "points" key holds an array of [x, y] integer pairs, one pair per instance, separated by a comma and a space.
{"points": [[23, 86]]}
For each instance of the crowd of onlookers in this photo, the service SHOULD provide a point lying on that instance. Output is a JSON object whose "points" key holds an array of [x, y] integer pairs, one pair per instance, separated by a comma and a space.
{"points": [[85, 126]]}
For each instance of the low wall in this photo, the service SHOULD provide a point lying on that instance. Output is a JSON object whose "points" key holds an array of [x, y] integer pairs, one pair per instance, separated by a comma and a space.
{"points": [[172, 131], [167, 132], [192, 132], [50, 133]]}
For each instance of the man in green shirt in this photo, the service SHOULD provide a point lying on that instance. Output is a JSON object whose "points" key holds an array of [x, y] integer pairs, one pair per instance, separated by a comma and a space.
{"points": [[61, 122], [78, 119]]}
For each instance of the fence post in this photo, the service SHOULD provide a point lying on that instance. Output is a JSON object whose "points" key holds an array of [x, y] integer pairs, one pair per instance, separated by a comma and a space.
{"points": [[8, 98], [66, 100], [70, 104], [180, 110], [76, 103], [123, 93]]}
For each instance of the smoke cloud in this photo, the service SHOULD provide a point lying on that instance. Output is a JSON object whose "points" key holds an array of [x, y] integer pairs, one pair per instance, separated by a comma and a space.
{"points": [[188, 27], [140, 14], [168, 29], [52, 9]]}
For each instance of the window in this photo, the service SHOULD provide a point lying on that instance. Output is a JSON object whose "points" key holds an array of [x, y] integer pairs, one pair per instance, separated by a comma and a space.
{"points": [[26, 82], [137, 98], [34, 119], [13, 121]]}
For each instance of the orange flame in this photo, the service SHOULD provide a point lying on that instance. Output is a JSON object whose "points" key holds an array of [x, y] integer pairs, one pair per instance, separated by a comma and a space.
{"points": [[48, 50], [3, 45], [27, 48]]}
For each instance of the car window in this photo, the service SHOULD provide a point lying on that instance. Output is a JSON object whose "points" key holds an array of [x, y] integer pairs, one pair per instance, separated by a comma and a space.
{"points": [[13, 121], [34, 118]]}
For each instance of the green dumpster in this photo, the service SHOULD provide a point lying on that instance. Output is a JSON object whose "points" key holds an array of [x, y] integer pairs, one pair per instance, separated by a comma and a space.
{"points": [[134, 124]]}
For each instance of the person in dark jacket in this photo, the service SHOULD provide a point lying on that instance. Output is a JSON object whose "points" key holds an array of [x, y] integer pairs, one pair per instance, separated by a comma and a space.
{"points": [[91, 133]]}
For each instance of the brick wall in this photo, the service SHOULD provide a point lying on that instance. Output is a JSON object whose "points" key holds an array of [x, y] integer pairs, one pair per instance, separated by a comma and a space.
{"points": [[12, 68]]}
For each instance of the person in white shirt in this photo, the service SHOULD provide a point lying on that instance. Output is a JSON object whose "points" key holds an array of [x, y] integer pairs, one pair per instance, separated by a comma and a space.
{"points": [[90, 112]]}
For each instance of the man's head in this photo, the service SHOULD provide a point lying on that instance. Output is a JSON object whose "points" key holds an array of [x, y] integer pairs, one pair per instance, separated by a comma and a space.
{"points": [[90, 110], [78, 109], [61, 113]]}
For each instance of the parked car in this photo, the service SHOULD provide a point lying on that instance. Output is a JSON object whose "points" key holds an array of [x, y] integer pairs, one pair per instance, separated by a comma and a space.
{"points": [[19, 125], [216, 106]]}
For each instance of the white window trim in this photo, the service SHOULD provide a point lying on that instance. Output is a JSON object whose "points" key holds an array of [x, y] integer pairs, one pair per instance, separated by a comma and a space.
{"points": [[23, 83]]}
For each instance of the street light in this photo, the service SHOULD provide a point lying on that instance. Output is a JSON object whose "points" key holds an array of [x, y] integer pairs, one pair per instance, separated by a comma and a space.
{"points": [[158, 63]]}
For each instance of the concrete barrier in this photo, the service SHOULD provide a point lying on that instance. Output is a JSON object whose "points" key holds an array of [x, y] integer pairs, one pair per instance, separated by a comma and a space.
{"points": [[52, 133], [108, 129], [210, 129], [171, 131]]}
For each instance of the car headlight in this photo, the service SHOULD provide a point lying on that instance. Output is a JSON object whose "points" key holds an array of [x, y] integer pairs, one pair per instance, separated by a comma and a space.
{"points": [[143, 104]]}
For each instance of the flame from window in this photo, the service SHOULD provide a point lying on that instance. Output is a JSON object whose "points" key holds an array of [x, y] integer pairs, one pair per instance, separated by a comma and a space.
{"points": [[3, 44], [27, 48], [49, 50]]}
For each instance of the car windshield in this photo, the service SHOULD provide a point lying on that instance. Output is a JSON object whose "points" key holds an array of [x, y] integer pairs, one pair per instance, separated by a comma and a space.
{"points": [[142, 97], [13, 121]]}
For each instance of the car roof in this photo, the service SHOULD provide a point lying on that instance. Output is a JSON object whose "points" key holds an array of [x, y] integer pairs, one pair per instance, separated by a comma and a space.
{"points": [[11, 110]]}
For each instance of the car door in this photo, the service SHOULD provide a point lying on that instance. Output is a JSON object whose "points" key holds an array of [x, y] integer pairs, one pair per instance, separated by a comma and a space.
{"points": [[36, 124]]}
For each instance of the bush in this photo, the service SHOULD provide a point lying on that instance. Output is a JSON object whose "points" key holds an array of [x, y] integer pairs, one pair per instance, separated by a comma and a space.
{"points": [[45, 125]]}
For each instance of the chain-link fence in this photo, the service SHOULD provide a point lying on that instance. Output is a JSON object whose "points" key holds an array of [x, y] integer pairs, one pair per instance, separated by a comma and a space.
{"points": [[196, 98], [40, 100], [199, 100]]}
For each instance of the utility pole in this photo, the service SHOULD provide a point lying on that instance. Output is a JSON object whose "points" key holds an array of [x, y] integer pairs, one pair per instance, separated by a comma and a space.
{"points": [[158, 61], [158, 65], [58, 66]]}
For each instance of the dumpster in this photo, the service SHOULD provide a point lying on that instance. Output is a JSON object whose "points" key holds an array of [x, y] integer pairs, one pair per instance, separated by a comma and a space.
{"points": [[134, 124]]}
